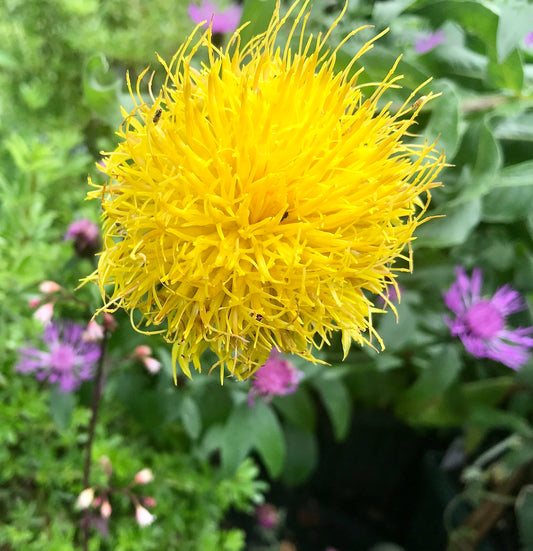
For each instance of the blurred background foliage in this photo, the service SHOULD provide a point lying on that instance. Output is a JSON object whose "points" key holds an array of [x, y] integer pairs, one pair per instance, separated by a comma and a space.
{"points": [[405, 446]]}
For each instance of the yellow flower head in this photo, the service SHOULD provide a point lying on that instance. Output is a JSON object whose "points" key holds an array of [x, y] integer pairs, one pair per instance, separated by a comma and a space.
{"points": [[259, 202]]}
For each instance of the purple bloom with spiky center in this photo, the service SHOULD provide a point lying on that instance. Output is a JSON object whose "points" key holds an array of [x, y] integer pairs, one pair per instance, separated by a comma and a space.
{"points": [[223, 21], [426, 43], [480, 321], [277, 377], [67, 359]]}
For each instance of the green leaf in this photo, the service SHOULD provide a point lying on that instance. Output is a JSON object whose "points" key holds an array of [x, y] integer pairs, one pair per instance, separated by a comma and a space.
{"points": [[524, 514], [508, 204], [486, 391], [516, 127], [259, 13], [61, 408], [298, 409], [425, 401], [517, 175], [490, 417], [453, 229], [101, 89], [509, 74], [474, 17], [378, 61], [386, 12], [513, 25], [489, 156], [338, 404], [191, 417], [238, 438], [398, 333], [458, 61], [302, 455], [444, 121], [268, 438]]}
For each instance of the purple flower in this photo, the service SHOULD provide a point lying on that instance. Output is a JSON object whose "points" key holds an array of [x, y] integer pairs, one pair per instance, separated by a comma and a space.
{"points": [[224, 21], [480, 322], [426, 43], [277, 377], [267, 516], [85, 236], [393, 295], [68, 359], [529, 39]]}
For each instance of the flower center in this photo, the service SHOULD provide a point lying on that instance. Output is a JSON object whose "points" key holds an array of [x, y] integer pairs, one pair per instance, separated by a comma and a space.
{"points": [[62, 357], [484, 319]]}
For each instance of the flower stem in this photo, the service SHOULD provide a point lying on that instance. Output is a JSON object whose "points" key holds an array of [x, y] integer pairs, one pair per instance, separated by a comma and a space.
{"points": [[95, 403]]}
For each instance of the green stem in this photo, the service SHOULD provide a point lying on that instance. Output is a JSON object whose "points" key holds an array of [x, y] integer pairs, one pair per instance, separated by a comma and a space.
{"points": [[95, 403]]}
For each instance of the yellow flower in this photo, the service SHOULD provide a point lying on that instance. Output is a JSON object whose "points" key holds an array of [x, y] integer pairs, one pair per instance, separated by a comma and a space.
{"points": [[261, 201]]}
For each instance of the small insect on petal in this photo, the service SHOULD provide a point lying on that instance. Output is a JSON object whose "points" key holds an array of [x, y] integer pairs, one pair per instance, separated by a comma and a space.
{"points": [[157, 116]]}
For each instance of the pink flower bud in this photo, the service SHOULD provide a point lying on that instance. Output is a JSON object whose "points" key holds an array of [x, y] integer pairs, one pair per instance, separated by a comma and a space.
{"points": [[85, 499], [49, 287], [93, 332], [97, 501], [144, 476], [144, 517], [109, 322], [152, 365], [142, 351], [149, 501], [105, 509], [44, 313], [34, 302]]}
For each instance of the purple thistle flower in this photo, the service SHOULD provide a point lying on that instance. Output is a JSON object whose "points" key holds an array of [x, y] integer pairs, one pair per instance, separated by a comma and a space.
{"points": [[84, 233], [529, 39], [480, 322], [68, 359], [277, 377], [426, 43], [224, 21]]}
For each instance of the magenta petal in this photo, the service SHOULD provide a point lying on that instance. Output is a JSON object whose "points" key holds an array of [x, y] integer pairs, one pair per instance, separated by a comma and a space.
{"points": [[427, 43], [507, 300], [475, 284]]}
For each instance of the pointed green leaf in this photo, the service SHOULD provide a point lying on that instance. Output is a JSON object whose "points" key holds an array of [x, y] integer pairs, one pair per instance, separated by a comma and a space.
{"points": [[509, 74], [302, 455], [298, 409], [508, 204], [444, 121], [258, 13], [238, 438], [338, 404], [517, 175], [101, 89], [515, 22], [61, 408], [191, 417], [268, 438], [453, 229], [524, 515]]}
